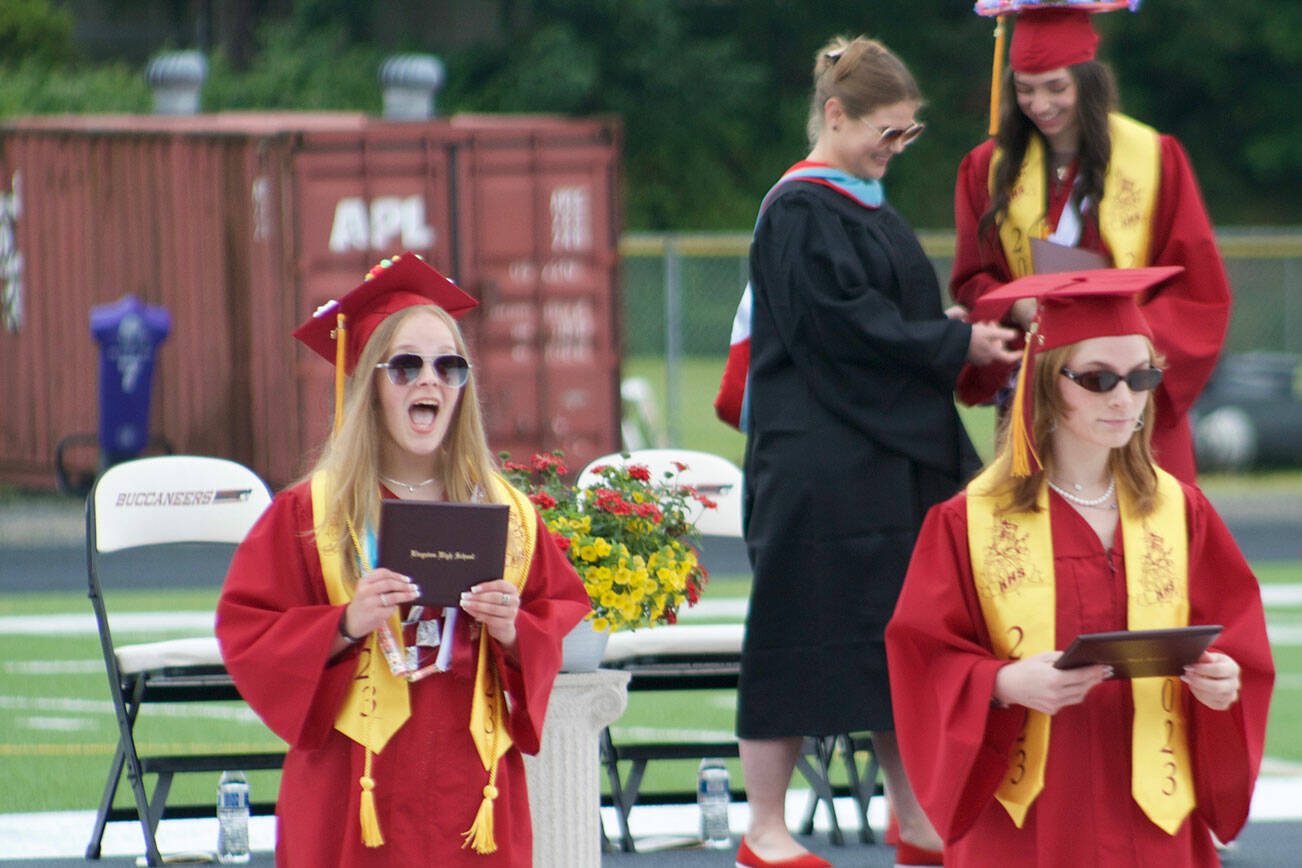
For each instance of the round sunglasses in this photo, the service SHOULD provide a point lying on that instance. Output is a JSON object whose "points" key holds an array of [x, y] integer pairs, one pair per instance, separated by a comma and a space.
{"points": [[1106, 381], [404, 368]]}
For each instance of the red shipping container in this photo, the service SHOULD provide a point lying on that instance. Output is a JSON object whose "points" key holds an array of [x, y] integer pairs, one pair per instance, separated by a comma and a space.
{"points": [[241, 224]]}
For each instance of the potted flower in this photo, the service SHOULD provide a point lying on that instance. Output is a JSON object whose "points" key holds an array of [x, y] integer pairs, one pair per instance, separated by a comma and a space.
{"points": [[629, 536]]}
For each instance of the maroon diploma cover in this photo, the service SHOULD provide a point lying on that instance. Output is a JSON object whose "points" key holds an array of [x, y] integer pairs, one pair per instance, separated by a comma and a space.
{"points": [[444, 548]]}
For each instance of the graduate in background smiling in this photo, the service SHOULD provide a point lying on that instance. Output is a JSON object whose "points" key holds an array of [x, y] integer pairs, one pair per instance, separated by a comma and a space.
{"points": [[1066, 167]]}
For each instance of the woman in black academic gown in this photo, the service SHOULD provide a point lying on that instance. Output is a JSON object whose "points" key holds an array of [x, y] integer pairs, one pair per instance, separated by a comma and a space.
{"points": [[853, 434]]}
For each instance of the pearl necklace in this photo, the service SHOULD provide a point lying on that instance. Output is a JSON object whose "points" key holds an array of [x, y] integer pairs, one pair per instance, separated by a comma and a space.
{"points": [[1081, 501], [411, 488]]}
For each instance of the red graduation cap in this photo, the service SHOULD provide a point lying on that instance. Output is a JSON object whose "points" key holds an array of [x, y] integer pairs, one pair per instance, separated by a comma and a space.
{"points": [[339, 330], [1051, 37], [1049, 34], [400, 282], [1073, 306]]}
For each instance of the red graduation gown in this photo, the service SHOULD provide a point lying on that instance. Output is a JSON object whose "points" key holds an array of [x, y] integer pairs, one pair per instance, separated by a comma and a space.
{"points": [[276, 625], [1188, 315], [955, 745]]}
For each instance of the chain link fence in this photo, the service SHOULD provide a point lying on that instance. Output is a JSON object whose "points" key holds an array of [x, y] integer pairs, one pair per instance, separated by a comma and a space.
{"points": [[680, 292]]}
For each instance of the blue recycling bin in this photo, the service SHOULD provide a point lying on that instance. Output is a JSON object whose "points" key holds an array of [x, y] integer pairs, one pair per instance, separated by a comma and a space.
{"points": [[129, 334]]}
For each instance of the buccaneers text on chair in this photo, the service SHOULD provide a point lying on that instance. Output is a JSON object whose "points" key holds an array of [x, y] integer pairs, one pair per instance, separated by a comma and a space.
{"points": [[162, 522]]}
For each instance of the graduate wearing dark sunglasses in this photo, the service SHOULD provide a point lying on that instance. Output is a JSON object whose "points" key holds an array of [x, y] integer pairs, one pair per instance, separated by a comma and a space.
{"points": [[375, 695], [1074, 529]]}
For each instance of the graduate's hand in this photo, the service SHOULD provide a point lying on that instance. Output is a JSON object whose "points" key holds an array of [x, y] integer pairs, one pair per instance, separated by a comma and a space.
{"points": [[956, 312], [1023, 311], [379, 594], [1213, 680], [495, 605], [1034, 683], [989, 344]]}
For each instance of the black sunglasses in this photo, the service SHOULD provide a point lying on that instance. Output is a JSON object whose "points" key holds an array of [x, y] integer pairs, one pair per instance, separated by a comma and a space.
{"points": [[1106, 381], [404, 368]]}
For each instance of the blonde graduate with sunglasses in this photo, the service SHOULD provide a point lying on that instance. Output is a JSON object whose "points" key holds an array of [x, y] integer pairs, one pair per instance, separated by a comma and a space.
{"points": [[853, 433], [1064, 166], [405, 724], [1073, 529]]}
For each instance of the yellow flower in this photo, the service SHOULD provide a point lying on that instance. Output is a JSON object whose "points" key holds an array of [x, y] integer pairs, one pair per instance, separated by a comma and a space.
{"points": [[637, 571]]}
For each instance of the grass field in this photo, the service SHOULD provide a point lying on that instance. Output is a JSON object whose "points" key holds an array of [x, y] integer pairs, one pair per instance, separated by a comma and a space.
{"points": [[58, 730]]}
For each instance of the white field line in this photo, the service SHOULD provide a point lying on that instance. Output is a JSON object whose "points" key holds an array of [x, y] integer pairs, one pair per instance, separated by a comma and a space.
{"points": [[238, 713], [202, 621]]}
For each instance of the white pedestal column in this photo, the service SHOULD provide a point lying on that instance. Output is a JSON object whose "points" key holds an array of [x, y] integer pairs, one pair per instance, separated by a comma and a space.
{"points": [[565, 776]]}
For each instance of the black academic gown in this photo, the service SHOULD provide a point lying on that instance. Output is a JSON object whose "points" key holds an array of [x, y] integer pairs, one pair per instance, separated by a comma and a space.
{"points": [[853, 435]]}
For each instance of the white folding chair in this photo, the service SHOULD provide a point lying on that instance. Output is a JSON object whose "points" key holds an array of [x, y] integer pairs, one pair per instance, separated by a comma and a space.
{"points": [[161, 522]]}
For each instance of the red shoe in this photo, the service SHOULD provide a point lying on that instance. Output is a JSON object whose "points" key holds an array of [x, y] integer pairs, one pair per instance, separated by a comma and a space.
{"points": [[747, 859], [907, 854]]}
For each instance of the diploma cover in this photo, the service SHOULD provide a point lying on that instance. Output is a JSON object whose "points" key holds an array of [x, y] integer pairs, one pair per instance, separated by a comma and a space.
{"points": [[1141, 653], [1049, 257], [444, 548]]}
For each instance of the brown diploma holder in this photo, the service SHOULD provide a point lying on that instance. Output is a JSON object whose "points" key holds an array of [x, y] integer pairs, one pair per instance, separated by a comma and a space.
{"points": [[1140, 653], [1048, 257], [444, 548]]}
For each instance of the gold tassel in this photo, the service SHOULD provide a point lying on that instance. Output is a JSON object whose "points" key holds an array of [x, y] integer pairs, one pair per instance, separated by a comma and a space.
{"points": [[1001, 28], [479, 837], [341, 355], [1023, 448], [371, 835]]}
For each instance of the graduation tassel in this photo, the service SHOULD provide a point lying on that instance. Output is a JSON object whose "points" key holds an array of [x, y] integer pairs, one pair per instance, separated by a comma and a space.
{"points": [[1001, 28], [479, 837], [1023, 447], [371, 835], [341, 346]]}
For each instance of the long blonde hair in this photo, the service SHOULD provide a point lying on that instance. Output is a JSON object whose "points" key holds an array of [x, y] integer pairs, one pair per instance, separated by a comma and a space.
{"points": [[1132, 464], [351, 455]]}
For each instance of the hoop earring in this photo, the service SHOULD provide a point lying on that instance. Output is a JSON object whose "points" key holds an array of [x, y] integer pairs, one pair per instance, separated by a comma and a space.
{"points": [[1139, 424]]}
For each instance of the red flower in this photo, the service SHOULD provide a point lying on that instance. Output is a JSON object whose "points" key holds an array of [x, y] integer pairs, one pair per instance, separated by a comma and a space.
{"points": [[516, 466], [542, 500], [649, 510], [562, 541], [612, 502], [637, 471], [541, 461], [680, 465], [671, 617], [705, 501]]}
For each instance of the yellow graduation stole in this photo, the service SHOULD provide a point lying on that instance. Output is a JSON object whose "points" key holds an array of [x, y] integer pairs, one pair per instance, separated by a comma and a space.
{"points": [[1129, 197], [1012, 569], [378, 704]]}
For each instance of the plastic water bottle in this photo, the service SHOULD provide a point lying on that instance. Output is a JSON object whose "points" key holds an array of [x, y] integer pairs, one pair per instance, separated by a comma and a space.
{"points": [[233, 818], [713, 797]]}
